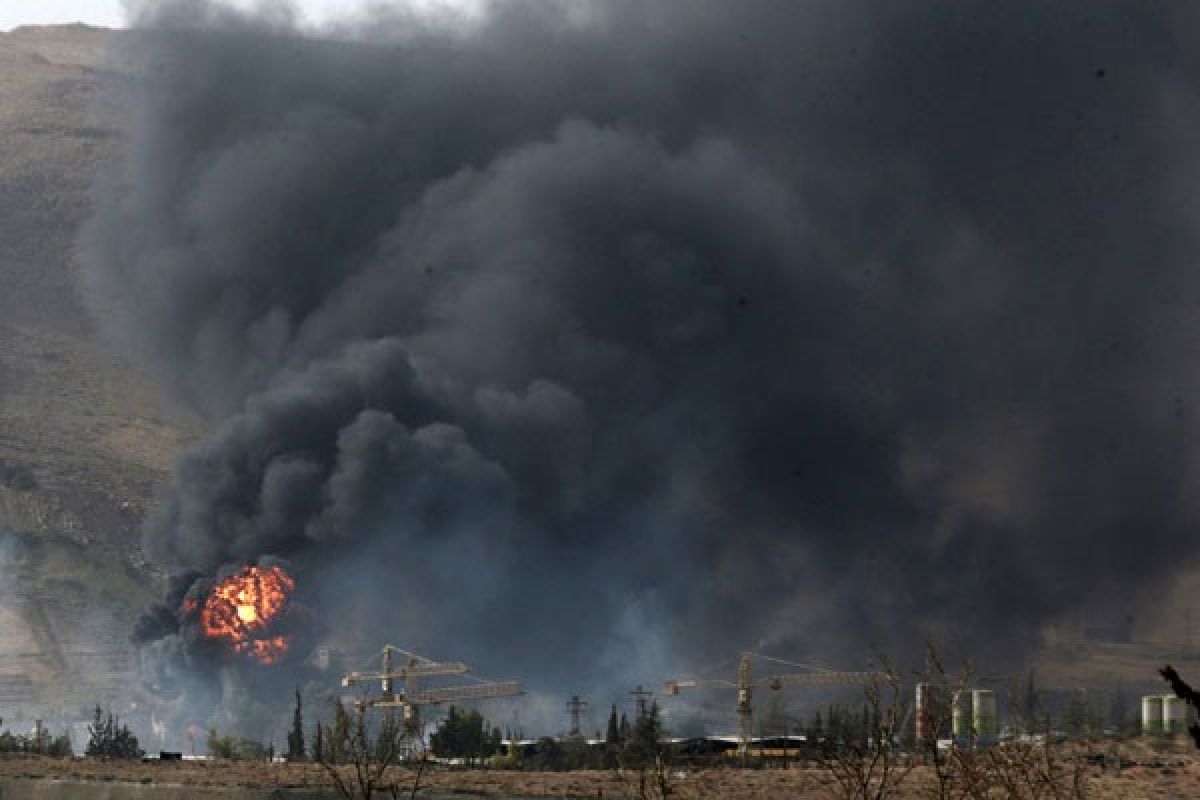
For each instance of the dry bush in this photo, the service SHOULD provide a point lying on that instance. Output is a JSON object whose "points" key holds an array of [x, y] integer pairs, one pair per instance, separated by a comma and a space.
{"points": [[370, 762], [871, 766]]}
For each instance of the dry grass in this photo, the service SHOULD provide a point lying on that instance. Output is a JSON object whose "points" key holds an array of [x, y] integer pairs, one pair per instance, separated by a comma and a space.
{"points": [[1176, 776]]}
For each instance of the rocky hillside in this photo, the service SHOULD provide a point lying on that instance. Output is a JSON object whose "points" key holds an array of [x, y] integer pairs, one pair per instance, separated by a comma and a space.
{"points": [[84, 438]]}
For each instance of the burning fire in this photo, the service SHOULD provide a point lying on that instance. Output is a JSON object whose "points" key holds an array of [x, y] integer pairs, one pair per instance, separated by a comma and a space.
{"points": [[241, 609]]}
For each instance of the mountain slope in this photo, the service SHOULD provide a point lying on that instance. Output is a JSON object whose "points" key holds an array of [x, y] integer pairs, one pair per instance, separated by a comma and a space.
{"points": [[84, 438]]}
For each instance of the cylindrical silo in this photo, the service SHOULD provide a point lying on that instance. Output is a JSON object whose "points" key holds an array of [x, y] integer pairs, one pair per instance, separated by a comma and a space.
{"points": [[983, 712], [1152, 715], [960, 714], [1174, 715], [929, 713]]}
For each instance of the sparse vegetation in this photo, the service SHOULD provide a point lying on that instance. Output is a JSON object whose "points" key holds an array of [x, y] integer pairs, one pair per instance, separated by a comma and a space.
{"points": [[232, 748], [109, 739], [867, 763], [39, 742], [464, 734], [369, 765], [644, 762]]}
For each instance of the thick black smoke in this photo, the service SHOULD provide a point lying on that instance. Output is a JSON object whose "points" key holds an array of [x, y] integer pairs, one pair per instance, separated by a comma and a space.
{"points": [[163, 619], [597, 339]]}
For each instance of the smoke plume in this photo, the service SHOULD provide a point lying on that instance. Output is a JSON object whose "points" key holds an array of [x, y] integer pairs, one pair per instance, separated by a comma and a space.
{"points": [[585, 341]]}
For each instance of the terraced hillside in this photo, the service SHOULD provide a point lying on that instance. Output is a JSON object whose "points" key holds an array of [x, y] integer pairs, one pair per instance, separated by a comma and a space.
{"points": [[84, 438]]}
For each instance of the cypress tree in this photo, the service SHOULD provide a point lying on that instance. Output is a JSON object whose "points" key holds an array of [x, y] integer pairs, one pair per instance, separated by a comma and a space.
{"points": [[295, 751], [339, 735], [642, 747], [613, 734]]}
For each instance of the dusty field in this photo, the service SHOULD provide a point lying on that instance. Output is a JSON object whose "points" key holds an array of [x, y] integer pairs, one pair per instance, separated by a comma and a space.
{"points": [[1173, 776]]}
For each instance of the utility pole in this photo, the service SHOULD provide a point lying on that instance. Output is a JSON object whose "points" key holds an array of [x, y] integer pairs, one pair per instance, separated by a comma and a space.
{"points": [[576, 707], [745, 709], [641, 701]]}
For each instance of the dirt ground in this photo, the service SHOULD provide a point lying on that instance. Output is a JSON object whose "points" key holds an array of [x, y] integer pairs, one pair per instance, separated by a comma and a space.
{"points": [[1158, 776]]}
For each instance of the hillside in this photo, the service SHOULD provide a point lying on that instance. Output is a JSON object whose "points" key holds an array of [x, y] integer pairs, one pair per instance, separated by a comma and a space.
{"points": [[84, 438]]}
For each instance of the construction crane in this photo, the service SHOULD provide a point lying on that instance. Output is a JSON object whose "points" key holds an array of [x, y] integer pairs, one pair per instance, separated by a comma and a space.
{"points": [[410, 704], [746, 684], [415, 667], [485, 690], [409, 698]]}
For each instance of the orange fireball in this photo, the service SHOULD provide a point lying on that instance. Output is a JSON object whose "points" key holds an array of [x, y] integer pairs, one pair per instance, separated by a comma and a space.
{"points": [[241, 609]]}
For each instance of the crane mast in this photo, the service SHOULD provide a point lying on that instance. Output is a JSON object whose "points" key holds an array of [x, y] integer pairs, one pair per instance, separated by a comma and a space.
{"points": [[745, 711]]}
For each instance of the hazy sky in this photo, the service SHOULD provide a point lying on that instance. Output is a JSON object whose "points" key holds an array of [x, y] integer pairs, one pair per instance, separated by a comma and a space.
{"points": [[95, 12], [110, 13]]}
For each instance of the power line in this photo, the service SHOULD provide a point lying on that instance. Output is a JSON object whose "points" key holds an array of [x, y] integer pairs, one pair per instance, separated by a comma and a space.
{"points": [[576, 706]]}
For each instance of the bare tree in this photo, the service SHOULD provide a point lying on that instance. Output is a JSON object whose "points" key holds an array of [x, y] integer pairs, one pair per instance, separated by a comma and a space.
{"points": [[955, 773], [868, 764], [370, 764], [648, 780], [1027, 765], [1184, 691], [1036, 768], [1033, 763], [419, 764]]}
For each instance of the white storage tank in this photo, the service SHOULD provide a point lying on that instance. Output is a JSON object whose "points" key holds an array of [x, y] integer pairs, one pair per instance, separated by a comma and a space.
{"points": [[1174, 715], [983, 712], [960, 714], [929, 713], [1152, 715]]}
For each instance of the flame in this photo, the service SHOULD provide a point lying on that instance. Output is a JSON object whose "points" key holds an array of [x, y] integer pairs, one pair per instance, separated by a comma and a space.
{"points": [[240, 609]]}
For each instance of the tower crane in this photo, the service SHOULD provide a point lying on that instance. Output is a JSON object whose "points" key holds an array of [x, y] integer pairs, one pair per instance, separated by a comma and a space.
{"points": [[746, 684], [415, 666], [409, 698]]}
